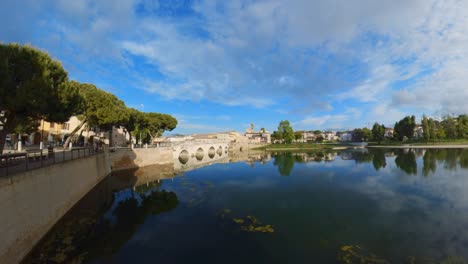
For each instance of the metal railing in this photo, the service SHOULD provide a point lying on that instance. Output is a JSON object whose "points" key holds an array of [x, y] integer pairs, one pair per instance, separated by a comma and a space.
{"points": [[12, 163]]}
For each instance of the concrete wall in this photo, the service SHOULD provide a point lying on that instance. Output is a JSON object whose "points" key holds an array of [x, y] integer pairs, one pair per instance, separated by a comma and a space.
{"points": [[32, 202], [129, 159]]}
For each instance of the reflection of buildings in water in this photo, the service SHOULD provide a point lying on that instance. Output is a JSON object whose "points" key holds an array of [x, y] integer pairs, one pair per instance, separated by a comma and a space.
{"points": [[351, 154], [249, 156], [185, 162], [419, 152], [136, 177], [315, 156]]}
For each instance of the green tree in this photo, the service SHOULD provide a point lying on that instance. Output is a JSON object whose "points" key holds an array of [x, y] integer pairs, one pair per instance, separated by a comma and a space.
{"points": [[426, 129], [298, 135], [432, 129], [450, 127], [317, 132], [361, 134], [32, 87], [285, 131], [367, 134], [378, 132], [275, 136], [157, 123], [136, 119], [99, 109], [405, 127], [462, 126]]}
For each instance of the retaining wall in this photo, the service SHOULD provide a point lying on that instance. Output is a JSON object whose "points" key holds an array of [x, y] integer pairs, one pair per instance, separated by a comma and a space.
{"points": [[124, 159], [32, 202]]}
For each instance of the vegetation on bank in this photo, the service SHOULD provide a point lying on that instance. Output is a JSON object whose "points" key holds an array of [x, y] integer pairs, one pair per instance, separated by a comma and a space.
{"points": [[420, 142], [303, 146], [450, 130], [34, 87]]}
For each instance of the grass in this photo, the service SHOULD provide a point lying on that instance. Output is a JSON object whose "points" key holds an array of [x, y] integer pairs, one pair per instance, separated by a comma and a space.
{"points": [[302, 146], [420, 142], [331, 145]]}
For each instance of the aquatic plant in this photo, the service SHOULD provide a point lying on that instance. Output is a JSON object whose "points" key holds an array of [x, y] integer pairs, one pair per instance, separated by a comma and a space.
{"points": [[246, 224], [354, 254]]}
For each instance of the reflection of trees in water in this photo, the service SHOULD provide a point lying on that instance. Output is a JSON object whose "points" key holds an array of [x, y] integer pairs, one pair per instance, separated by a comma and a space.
{"points": [[129, 214], [314, 156], [464, 158], [406, 161], [449, 157], [378, 159], [362, 156], [429, 162], [285, 163], [89, 235]]}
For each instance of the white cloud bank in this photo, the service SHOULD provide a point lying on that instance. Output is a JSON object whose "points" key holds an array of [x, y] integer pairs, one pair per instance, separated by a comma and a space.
{"points": [[388, 58]]}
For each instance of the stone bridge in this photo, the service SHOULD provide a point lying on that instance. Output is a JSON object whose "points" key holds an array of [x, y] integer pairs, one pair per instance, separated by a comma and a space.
{"points": [[195, 153]]}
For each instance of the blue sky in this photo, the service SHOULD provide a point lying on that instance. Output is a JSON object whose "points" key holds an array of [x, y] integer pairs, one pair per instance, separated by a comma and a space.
{"points": [[221, 65]]}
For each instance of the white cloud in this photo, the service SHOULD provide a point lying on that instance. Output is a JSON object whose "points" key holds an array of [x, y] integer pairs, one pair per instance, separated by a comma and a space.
{"points": [[310, 54], [332, 121], [373, 88]]}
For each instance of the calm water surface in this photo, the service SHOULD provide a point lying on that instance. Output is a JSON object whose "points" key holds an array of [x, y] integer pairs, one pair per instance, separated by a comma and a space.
{"points": [[359, 206]]}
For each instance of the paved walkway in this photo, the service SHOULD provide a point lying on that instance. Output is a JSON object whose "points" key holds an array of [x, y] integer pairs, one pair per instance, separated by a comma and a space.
{"points": [[35, 160]]}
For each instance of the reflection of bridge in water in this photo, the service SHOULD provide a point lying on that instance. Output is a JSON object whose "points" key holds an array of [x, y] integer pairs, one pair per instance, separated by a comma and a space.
{"points": [[187, 156]]}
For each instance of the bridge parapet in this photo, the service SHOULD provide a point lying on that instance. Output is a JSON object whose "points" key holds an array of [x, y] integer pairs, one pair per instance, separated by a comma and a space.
{"points": [[198, 151]]}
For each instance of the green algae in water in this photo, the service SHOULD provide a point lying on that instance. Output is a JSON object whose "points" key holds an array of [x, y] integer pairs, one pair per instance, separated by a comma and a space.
{"points": [[454, 260], [354, 254], [248, 223]]}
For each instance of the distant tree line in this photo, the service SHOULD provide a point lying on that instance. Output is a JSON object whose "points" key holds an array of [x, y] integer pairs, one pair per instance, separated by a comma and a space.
{"points": [[449, 128], [35, 87]]}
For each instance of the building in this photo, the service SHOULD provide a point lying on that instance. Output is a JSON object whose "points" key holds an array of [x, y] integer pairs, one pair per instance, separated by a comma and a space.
{"points": [[52, 133], [346, 136], [330, 136], [388, 132], [418, 132], [56, 134], [262, 136]]}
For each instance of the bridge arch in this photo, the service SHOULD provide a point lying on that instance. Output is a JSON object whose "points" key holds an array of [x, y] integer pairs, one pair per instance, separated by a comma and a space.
{"points": [[211, 152], [199, 154], [184, 157]]}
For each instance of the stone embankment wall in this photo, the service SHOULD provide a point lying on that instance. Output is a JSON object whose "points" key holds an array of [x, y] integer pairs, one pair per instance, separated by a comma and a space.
{"points": [[124, 159], [245, 146], [32, 202]]}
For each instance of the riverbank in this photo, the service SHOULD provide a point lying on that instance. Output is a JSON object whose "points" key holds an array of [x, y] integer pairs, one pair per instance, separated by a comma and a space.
{"points": [[419, 146], [336, 146], [306, 147]]}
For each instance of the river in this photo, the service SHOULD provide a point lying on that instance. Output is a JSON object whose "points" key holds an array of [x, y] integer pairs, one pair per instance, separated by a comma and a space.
{"points": [[350, 206]]}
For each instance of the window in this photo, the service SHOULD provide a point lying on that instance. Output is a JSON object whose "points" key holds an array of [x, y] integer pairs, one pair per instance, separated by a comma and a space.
{"points": [[52, 125], [65, 126]]}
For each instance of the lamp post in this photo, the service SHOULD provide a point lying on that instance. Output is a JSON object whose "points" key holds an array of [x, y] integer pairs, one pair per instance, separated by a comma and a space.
{"points": [[41, 144]]}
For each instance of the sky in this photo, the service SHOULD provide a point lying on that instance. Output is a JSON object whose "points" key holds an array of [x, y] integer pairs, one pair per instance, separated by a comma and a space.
{"points": [[222, 65]]}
